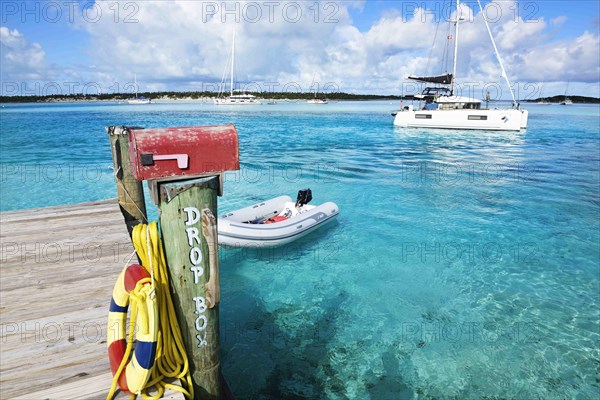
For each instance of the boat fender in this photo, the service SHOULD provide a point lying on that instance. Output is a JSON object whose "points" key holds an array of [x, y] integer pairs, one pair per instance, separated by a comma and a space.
{"points": [[133, 285]]}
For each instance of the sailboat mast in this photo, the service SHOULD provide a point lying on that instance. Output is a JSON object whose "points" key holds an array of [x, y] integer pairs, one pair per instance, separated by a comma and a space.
{"points": [[232, 63], [135, 84], [455, 47]]}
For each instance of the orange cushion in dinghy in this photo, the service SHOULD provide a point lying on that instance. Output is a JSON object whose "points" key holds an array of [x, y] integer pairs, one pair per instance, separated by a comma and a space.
{"points": [[275, 219]]}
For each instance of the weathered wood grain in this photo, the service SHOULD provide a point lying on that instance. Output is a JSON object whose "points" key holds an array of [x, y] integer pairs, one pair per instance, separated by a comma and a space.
{"points": [[58, 266], [187, 253], [129, 190]]}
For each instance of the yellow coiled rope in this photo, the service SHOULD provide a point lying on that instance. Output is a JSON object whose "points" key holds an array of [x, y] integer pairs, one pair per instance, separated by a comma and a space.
{"points": [[171, 361]]}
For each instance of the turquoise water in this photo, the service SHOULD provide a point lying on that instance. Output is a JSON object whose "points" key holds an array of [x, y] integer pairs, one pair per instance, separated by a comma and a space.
{"points": [[463, 265]]}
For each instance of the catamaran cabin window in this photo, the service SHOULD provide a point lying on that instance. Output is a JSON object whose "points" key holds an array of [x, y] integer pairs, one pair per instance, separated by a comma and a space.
{"points": [[478, 117], [423, 116]]}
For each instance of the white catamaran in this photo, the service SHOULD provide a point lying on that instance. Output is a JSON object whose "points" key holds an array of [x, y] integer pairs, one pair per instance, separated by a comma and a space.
{"points": [[445, 110], [137, 99], [234, 99]]}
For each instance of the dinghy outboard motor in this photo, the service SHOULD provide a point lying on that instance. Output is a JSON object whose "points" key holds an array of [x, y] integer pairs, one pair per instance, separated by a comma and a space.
{"points": [[304, 197]]}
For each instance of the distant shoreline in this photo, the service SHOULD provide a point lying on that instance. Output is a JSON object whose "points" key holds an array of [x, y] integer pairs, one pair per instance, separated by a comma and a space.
{"points": [[208, 97], [558, 99], [192, 96]]}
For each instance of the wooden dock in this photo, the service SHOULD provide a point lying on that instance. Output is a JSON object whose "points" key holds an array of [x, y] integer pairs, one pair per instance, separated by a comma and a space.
{"points": [[58, 267]]}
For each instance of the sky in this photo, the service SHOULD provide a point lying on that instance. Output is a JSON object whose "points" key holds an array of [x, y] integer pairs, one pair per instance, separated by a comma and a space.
{"points": [[547, 47]]}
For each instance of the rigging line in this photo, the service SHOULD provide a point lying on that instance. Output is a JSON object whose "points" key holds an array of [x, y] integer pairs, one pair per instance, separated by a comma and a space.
{"points": [[446, 55], [222, 85], [128, 195], [232, 71], [497, 54], [437, 27]]}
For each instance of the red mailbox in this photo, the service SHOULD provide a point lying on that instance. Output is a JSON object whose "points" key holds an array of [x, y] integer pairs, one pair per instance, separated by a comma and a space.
{"points": [[190, 151]]}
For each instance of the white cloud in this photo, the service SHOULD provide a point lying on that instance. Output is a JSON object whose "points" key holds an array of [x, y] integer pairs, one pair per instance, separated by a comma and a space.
{"points": [[528, 51], [177, 42], [180, 45], [576, 60], [21, 60], [558, 21]]}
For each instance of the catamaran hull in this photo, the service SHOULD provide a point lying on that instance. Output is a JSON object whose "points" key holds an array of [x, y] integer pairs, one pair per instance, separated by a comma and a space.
{"points": [[495, 120], [235, 232], [228, 102]]}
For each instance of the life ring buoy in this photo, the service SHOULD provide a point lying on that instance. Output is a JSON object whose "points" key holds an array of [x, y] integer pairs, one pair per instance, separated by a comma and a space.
{"points": [[136, 373]]}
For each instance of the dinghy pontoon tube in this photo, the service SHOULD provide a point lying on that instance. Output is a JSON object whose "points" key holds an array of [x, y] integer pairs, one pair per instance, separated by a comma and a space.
{"points": [[274, 222]]}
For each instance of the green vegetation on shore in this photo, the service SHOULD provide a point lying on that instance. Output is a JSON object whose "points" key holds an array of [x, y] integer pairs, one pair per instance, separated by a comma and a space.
{"points": [[574, 99], [191, 95], [263, 95]]}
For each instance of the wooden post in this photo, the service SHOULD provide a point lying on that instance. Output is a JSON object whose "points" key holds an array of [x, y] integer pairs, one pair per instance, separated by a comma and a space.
{"points": [[129, 190], [187, 210]]}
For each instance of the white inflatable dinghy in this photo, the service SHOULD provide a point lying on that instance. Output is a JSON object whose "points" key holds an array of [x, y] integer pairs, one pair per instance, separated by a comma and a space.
{"points": [[274, 222]]}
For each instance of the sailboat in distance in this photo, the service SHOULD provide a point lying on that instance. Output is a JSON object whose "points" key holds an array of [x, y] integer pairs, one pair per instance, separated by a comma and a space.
{"points": [[567, 101], [234, 99], [138, 99], [316, 100], [443, 109]]}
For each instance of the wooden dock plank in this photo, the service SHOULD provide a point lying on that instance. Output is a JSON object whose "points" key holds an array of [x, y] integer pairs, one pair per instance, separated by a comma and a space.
{"points": [[57, 270], [95, 389]]}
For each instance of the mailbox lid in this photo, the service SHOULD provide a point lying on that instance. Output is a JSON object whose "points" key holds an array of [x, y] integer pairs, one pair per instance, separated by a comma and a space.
{"points": [[183, 151]]}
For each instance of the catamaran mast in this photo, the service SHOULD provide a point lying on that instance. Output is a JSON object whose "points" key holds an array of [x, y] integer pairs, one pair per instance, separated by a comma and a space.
{"points": [[232, 63], [455, 48]]}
